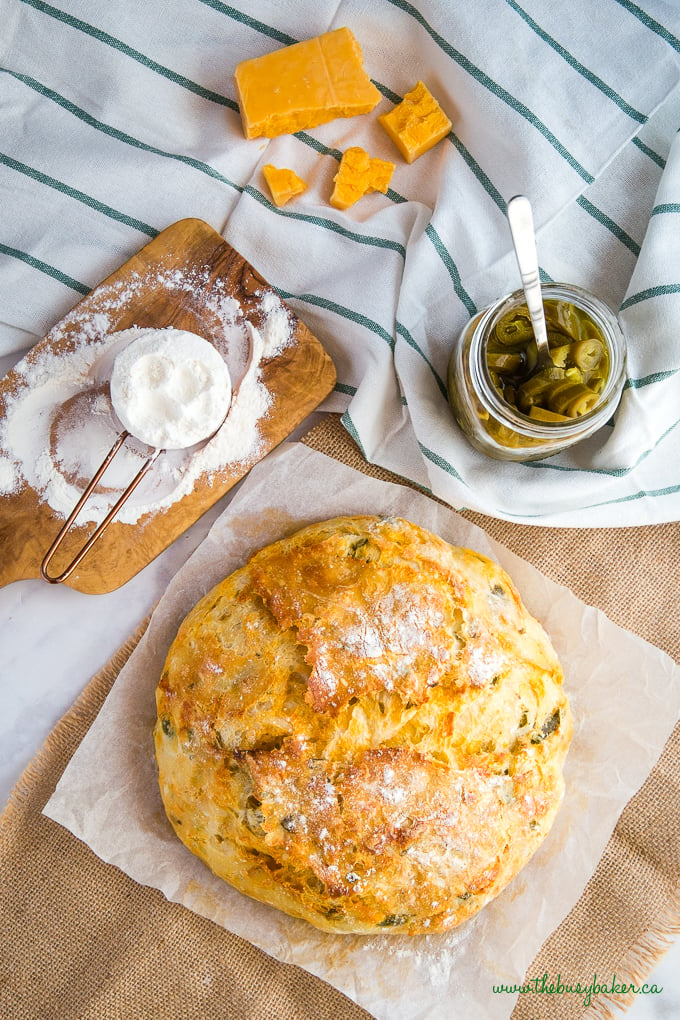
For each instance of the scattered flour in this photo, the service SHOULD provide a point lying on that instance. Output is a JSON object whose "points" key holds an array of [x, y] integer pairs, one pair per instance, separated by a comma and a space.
{"points": [[8, 476], [59, 421]]}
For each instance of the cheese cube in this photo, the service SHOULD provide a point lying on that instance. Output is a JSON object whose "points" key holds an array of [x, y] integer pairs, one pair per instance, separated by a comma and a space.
{"points": [[284, 184], [416, 124], [303, 85], [357, 175]]}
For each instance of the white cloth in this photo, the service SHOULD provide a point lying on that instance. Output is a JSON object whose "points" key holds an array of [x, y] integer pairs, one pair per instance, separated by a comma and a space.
{"points": [[118, 119]]}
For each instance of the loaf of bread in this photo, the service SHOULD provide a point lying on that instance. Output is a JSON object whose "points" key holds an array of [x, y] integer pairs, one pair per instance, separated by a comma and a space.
{"points": [[363, 727]]}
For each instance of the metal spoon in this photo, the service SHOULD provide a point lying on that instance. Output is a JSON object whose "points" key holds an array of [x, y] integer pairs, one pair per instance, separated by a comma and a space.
{"points": [[524, 240]]}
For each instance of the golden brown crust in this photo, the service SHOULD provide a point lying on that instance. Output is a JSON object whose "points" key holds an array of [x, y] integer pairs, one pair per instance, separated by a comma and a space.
{"points": [[363, 727]]}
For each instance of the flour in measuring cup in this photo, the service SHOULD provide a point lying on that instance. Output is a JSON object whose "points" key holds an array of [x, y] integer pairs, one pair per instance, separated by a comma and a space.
{"points": [[59, 422], [169, 387]]}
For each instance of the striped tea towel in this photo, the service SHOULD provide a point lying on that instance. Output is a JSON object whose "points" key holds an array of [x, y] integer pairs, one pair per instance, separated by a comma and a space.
{"points": [[118, 119]]}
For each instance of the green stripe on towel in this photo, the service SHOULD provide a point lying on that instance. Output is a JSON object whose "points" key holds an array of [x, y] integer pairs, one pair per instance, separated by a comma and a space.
{"points": [[666, 207], [245, 19], [654, 156], [112, 132], [651, 292], [45, 268], [342, 311], [493, 87], [319, 221], [651, 23], [609, 223], [440, 462], [352, 429], [577, 65], [128, 51], [79, 196], [403, 332]]}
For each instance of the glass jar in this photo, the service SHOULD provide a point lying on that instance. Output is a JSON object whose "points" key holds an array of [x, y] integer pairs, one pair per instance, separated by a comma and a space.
{"points": [[496, 427]]}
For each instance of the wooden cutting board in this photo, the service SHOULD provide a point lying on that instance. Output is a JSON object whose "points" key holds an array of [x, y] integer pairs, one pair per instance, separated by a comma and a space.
{"points": [[297, 378]]}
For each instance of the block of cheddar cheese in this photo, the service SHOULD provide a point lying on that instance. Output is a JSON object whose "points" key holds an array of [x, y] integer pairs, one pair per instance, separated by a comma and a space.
{"points": [[304, 85], [359, 174], [416, 124], [283, 184]]}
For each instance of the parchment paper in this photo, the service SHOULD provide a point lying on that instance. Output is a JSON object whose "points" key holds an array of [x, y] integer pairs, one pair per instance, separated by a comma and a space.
{"points": [[625, 694]]}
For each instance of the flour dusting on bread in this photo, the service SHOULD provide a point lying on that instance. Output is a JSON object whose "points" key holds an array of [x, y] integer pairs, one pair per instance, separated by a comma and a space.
{"points": [[363, 727]]}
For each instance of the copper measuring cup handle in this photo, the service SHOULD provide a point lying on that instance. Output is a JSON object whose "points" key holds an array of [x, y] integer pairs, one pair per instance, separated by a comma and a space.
{"points": [[99, 531]]}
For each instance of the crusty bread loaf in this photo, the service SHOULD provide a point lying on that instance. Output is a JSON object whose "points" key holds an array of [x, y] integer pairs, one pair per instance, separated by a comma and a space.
{"points": [[363, 727]]}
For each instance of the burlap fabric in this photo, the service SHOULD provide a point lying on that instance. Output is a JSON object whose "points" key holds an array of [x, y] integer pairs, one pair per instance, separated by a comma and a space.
{"points": [[81, 941]]}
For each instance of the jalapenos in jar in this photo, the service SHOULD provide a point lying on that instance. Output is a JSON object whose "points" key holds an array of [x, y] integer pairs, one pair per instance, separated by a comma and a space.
{"points": [[572, 385], [510, 409]]}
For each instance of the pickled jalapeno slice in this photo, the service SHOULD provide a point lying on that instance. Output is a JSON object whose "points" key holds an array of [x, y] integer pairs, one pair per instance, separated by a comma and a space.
{"points": [[587, 354], [571, 387], [514, 329], [507, 362]]}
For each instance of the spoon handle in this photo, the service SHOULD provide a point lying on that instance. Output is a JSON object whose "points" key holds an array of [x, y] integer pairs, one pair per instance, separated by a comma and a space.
{"points": [[524, 240]]}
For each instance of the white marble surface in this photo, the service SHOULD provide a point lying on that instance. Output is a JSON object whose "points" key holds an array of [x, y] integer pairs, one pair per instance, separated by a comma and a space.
{"points": [[54, 639]]}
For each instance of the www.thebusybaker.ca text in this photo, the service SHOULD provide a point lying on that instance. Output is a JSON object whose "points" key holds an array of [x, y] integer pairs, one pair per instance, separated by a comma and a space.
{"points": [[546, 986]]}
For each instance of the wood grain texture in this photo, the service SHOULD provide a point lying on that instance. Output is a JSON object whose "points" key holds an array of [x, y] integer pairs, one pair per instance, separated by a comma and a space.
{"points": [[297, 379]]}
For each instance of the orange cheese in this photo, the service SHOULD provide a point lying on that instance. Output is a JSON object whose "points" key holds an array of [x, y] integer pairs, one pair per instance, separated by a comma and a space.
{"points": [[303, 85], [284, 184], [416, 124], [357, 175]]}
